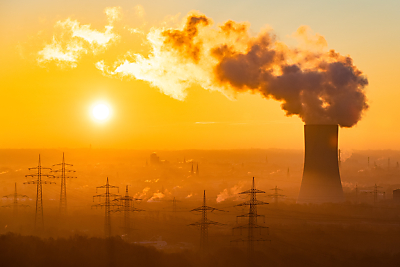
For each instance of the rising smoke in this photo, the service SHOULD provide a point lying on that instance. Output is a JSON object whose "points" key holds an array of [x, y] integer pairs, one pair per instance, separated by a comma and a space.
{"points": [[320, 86]]}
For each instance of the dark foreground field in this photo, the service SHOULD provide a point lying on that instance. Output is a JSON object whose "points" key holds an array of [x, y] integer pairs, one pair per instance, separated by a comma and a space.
{"points": [[17, 250]]}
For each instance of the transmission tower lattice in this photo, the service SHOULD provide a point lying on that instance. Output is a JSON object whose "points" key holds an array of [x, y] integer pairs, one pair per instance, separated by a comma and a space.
{"points": [[252, 225], [204, 223], [356, 194], [39, 192], [375, 192], [125, 205], [107, 205], [174, 204], [276, 194], [174, 201], [63, 195], [15, 204]]}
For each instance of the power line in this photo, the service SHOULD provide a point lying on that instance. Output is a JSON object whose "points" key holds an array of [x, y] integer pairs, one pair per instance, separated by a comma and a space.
{"points": [[276, 194], [252, 225], [63, 193], [376, 193], [125, 205], [204, 223], [356, 194], [107, 205], [15, 204], [174, 204], [174, 201], [39, 191]]}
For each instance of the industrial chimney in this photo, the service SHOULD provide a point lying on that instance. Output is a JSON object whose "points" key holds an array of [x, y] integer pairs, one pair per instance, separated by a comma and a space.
{"points": [[321, 179]]}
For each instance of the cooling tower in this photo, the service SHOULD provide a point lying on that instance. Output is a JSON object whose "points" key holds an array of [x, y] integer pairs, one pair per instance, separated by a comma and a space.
{"points": [[321, 179]]}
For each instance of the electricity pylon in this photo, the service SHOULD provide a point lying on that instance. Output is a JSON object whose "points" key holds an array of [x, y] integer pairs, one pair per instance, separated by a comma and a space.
{"points": [[356, 194], [376, 193], [63, 194], [252, 225], [107, 205], [39, 192], [174, 201], [197, 170], [276, 194], [125, 205], [174, 204], [15, 204], [204, 223]]}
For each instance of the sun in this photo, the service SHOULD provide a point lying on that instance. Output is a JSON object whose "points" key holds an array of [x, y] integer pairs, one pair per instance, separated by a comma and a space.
{"points": [[101, 112]]}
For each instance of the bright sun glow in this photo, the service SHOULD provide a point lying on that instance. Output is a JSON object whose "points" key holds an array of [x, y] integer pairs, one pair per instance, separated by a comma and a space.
{"points": [[101, 112]]}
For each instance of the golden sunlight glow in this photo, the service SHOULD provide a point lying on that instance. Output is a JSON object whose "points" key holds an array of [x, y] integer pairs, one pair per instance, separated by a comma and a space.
{"points": [[101, 112], [150, 67]]}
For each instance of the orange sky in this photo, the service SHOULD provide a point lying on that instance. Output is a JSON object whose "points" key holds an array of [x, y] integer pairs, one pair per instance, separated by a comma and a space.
{"points": [[48, 106]]}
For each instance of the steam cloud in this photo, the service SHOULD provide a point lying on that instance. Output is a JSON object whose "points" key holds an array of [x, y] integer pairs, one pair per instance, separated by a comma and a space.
{"points": [[320, 86], [73, 40], [230, 193]]}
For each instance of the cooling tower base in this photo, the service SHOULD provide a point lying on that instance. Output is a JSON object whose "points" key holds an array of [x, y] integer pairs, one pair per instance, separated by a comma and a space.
{"points": [[321, 179], [320, 193]]}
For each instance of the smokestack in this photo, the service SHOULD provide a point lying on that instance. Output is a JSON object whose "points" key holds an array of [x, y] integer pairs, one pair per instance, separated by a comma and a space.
{"points": [[321, 179]]}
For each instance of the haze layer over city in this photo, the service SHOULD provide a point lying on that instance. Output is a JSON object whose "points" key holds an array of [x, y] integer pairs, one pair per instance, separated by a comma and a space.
{"points": [[203, 133]]}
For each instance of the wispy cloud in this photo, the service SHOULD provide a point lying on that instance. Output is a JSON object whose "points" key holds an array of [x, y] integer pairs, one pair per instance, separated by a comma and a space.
{"points": [[72, 40], [205, 122]]}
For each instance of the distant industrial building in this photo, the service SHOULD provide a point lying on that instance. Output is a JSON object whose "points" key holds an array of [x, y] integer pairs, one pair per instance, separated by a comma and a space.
{"points": [[154, 159]]}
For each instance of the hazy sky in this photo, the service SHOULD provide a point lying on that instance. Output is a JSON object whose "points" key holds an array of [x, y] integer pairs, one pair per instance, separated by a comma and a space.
{"points": [[48, 105]]}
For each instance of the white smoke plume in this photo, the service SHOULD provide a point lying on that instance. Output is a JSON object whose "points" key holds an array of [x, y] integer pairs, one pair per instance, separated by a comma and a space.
{"points": [[156, 196], [318, 85], [142, 194], [345, 154], [230, 193]]}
